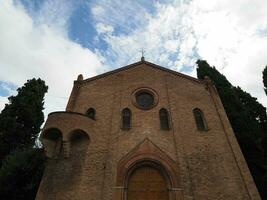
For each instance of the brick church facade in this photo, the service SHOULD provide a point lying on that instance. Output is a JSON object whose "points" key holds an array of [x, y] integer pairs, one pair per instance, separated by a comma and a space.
{"points": [[143, 132]]}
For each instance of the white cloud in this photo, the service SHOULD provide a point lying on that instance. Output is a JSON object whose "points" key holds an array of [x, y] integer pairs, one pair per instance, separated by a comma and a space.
{"points": [[98, 10], [126, 15], [103, 28], [228, 34], [3, 102], [228, 38], [29, 49]]}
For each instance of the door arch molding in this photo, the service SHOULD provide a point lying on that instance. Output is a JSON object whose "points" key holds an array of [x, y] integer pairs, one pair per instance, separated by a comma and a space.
{"points": [[150, 163], [147, 153]]}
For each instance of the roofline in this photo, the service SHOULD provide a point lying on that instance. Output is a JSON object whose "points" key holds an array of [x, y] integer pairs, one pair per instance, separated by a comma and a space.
{"points": [[136, 64], [174, 72]]}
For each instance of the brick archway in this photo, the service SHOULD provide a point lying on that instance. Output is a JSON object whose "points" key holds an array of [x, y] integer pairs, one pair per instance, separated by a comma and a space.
{"points": [[147, 152]]}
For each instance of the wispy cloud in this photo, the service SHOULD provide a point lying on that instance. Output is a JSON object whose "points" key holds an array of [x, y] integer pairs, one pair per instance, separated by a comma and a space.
{"points": [[124, 16], [29, 49], [174, 33], [230, 35]]}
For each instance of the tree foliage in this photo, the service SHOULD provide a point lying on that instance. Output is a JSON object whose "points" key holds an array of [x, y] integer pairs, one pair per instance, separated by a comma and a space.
{"points": [[21, 162], [21, 174], [248, 119], [264, 76], [21, 119]]}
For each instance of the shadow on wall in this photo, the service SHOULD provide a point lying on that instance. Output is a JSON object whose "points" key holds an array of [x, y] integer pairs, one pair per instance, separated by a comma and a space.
{"points": [[52, 141], [61, 169]]}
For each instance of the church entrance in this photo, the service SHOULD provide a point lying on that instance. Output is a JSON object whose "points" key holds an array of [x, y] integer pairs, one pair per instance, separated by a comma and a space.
{"points": [[147, 183]]}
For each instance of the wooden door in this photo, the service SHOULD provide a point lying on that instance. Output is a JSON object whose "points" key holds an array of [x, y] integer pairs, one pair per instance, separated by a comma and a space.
{"points": [[147, 183]]}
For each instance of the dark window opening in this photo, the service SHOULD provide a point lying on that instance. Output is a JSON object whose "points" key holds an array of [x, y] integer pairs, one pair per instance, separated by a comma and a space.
{"points": [[164, 119], [126, 118], [199, 118], [91, 113], [144, 100]]}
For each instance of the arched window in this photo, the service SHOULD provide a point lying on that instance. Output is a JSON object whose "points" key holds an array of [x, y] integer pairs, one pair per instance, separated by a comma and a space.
{"points": [[164, 119], [91, 113], [200, 121], [126, 118]]}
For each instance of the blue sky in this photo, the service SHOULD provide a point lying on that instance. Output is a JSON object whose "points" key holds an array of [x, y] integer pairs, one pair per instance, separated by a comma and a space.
{"points": [[59, 39]]}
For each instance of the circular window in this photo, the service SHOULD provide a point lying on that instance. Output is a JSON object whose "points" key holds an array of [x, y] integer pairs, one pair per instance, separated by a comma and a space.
{"points": [[144, 98]]}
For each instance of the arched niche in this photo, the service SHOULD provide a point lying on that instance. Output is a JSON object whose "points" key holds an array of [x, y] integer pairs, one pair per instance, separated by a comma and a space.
{"points": [[52, 141], [79, 141]]}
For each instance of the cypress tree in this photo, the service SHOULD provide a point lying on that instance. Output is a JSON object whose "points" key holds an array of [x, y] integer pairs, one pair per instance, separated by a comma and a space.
{"points": [[248, 119], [264, 77], [264, 141], [21, 161], [21, 119], [21, 174]]}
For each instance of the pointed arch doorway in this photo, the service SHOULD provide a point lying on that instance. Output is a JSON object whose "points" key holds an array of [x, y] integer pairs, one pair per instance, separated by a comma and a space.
{"points": [[147, 183]]}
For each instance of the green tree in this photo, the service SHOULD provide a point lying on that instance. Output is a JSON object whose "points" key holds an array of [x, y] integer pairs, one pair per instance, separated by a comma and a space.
{"points": [[21, 174], [264, 141], [21, 161], [255, 110], [21, 119], [264, 76], [248, 119]]}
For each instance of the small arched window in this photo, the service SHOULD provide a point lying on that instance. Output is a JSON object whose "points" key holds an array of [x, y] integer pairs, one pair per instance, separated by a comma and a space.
{"points": [[91, 113], [200, 121], [164, 119], [126, 118]]}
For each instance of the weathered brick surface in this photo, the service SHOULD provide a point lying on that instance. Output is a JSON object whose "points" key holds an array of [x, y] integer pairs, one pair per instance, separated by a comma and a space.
{"points": [[209, 164]]}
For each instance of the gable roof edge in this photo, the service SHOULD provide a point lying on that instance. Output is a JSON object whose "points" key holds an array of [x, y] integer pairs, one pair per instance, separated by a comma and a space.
{"points": [[134, 65]]}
